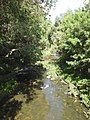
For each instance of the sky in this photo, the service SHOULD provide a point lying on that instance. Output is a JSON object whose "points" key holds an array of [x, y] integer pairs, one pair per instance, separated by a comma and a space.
{"points": [[62, 6]]}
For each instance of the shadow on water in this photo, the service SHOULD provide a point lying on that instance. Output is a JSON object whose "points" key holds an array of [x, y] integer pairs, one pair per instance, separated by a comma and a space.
{"points": [[28, 102], [27, 82], [9, 110]]}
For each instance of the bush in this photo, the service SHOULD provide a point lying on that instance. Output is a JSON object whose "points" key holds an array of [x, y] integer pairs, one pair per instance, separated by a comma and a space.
{"points": [[74, 49]]}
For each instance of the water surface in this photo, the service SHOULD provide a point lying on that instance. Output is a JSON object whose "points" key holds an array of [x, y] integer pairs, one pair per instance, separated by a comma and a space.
{"points": [[50, 103], [62, 106]]}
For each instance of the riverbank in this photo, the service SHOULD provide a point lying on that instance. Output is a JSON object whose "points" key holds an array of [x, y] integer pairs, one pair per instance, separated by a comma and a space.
{"points": [[54, 74], [45, 99]]}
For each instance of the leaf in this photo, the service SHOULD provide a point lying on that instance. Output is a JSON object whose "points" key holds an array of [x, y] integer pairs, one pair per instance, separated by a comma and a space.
{"points": [[74, 41]]}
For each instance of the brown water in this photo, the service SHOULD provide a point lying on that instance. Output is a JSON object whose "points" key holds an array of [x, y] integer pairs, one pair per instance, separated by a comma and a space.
{"points": [[50, 103], [62, 106]]}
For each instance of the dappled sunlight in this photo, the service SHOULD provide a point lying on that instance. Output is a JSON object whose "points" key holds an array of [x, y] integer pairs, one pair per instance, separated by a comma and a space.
{"points": [[24, 92], [44, 59]]}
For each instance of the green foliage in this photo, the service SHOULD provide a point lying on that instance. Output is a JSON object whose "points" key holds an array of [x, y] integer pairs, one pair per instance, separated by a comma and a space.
{"points": [[21, 34], [74, 50], [22, 37]]}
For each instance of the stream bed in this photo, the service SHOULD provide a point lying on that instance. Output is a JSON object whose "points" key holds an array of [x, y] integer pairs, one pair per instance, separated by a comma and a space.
{"points": [[62, 106], [51, 103]]}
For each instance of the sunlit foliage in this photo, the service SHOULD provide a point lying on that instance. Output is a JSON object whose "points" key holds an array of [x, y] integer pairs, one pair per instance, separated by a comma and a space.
{"points": [[73, 41]]}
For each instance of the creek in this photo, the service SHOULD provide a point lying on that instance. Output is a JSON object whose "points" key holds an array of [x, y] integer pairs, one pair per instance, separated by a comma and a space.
{"points": [[51, 103]]}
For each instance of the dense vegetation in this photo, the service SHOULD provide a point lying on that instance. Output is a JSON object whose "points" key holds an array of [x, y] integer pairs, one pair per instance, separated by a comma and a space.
{"points": [[25, 33], [22, 38], [20, 34], [72, 36]]}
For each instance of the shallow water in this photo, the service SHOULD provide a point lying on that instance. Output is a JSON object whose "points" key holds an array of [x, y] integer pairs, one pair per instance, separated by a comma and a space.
{"points": [[50, 103], [62, 106]]}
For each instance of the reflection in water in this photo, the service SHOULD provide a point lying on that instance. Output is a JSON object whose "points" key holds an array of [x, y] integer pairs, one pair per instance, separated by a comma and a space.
{"points": [[62, 107], [55, 103], [50, 103]]}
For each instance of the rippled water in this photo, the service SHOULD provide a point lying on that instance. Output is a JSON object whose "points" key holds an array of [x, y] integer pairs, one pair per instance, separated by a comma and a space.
{"points": [[62, 106], [51, 103]]}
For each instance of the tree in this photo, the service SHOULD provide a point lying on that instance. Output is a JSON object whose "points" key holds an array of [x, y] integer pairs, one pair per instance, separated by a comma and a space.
{"points": [[21, 32], [74, 49], [22, 38]]}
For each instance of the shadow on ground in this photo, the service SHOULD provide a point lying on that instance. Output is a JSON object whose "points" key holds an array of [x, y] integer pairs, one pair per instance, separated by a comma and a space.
{"points": [[27, 81]]}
